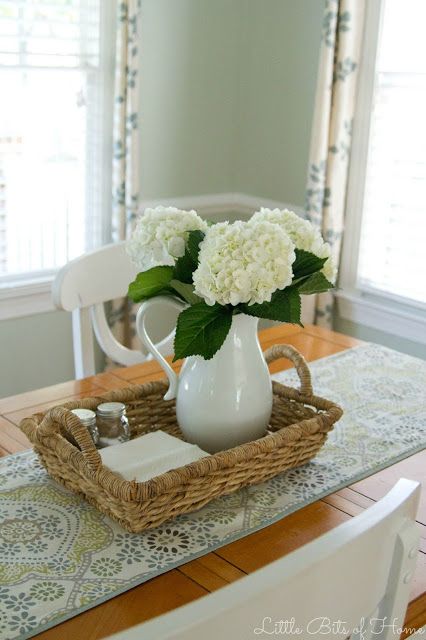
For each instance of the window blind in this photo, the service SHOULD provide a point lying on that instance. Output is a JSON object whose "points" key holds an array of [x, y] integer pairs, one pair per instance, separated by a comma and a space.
{"points": [[393, 231], [59, 34], [52, 131]]}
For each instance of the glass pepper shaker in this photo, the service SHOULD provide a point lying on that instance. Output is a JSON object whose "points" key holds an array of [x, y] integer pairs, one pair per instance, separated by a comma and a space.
{"points": [[88, 419], [112, 423]]}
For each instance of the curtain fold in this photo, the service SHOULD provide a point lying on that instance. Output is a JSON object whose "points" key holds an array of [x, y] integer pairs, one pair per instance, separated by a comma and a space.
{"points": [[125, 175], [335, 99]]}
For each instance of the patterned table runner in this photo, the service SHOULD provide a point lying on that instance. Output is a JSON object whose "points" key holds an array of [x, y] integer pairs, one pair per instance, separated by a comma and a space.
{"points": [[59, 556]]}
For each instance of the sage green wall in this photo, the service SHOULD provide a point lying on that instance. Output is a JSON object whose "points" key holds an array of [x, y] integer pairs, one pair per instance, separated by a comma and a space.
{"points": [[233, 111], [188, 96], [36, 351], [278, 60]]}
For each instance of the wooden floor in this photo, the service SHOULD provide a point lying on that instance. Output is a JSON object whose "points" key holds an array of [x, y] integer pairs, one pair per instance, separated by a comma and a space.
{"points": [[239, 558]]}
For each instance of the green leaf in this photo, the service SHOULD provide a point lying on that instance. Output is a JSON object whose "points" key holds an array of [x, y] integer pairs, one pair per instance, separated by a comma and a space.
{"points": [[201, 330], [316, 283], [184, 268], [186, 291], [150, 283], [285, 306], [193, 244], [186, 265], [306, 263]]}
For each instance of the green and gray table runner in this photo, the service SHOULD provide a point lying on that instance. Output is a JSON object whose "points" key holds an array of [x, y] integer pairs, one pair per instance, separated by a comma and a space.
{"points": [[59, 556]]}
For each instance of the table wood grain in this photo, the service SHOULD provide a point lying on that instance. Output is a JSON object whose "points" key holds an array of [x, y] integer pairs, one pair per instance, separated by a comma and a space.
{"points": [[214, 570]]}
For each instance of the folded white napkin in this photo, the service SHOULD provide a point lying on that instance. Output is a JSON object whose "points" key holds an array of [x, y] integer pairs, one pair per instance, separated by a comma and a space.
{"points": [[150, 455]]}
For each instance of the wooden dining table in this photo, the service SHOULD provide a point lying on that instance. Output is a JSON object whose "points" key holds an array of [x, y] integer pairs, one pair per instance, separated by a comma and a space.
{"points": [[232, 561]]}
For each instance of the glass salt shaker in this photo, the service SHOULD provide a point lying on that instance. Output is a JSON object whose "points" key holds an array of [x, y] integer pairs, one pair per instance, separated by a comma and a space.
{"points": [[88, 419], [112, 423]]}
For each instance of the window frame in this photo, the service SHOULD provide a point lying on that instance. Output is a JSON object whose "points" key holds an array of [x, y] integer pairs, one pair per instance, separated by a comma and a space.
{"points": [[380, 310], [30, 293]]}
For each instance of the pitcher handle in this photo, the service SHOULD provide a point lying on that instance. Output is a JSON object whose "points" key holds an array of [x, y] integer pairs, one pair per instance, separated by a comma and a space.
{"points": [[146, 340]]}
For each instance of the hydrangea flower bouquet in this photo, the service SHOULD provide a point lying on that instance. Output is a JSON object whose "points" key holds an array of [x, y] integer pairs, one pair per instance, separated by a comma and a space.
{"points": [[260, 268]]}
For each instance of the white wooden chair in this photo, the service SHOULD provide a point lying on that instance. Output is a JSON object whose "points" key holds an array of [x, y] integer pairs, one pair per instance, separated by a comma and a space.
{"points": [[358, 573], [83, 286]]}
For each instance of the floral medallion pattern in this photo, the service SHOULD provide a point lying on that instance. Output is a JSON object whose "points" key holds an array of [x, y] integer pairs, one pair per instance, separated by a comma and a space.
{"points": [[59, 556]]}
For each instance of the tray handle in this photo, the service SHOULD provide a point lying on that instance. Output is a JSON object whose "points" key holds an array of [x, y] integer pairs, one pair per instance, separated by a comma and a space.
{"points": [[60, 417], [287, 351]]}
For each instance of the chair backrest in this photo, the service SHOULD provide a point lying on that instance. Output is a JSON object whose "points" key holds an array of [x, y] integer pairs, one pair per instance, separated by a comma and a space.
{"points": [[358, 573], [83, 286]]}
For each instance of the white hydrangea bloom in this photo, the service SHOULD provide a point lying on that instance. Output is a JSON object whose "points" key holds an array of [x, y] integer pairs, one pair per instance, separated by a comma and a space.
{"points": [[243, 262], [304, 235], [160, 235]]}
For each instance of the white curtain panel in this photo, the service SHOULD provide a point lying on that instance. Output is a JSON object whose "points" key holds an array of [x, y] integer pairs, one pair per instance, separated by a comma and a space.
{"points": [[339, 58]]}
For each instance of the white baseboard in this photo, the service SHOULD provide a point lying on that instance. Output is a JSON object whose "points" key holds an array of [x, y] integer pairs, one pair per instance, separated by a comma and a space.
{"points": [[28, 298]]}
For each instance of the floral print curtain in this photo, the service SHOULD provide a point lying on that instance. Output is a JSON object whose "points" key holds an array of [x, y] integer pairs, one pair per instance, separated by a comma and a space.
{"points": [[125, 178], [341, 42]]}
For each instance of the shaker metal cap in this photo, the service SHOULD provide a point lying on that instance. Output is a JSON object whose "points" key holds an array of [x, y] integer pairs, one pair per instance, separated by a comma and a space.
{"points": [[111, 409], [86, 416]]}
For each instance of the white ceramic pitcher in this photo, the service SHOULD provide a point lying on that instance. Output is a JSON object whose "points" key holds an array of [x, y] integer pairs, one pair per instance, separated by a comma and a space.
{"points": [[225, 401]]}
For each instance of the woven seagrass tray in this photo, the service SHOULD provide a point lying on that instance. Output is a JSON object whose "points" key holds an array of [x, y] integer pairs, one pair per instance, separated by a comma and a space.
{"points": [[298, 428]]}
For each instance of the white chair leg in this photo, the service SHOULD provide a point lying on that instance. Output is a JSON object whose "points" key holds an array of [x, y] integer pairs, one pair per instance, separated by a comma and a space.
{"points": [[84, 354]]}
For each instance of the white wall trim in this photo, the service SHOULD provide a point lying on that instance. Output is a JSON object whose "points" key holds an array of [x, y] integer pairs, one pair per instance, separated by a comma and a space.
{"points": [[208, 204], [217, 203], [25, 299], [404, 321], [20, 298]]}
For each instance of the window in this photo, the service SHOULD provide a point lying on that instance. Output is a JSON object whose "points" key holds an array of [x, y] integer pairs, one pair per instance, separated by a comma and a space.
{"points": [[55, 113], [384, 242]]}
